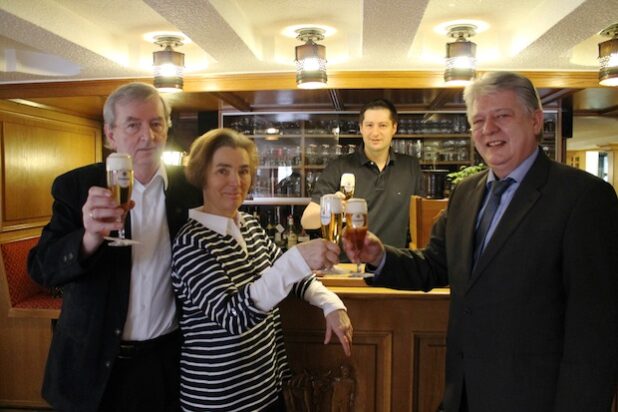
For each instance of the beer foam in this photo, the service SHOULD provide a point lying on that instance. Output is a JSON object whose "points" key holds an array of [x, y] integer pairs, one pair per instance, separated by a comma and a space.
{"points": [[348, 180], [119, 161], [356, 206], [332, 203]]}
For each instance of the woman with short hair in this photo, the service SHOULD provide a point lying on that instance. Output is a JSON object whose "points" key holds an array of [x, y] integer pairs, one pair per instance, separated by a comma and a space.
{"points": [[229, 277]]}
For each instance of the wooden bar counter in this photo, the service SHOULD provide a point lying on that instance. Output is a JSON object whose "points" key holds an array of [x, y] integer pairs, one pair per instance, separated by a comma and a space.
{"points": [[398, 352]]}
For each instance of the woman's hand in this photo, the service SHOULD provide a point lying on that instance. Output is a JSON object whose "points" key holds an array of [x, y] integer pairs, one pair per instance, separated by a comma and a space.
{"points": [[319, 253], [339, 323]]}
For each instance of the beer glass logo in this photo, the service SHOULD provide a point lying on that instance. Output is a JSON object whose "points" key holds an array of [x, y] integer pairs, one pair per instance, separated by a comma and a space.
{"points": [[325, 214], [358, 219], [124, 178]]}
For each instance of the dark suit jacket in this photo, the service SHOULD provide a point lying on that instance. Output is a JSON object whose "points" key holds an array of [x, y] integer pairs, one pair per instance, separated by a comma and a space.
{"points": [[95, 290], [535, 327]]}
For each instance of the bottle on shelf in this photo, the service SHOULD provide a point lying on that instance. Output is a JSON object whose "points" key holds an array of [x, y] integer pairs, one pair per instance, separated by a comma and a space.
{"points": [[270, 227], [292, 236], [279, 229], [256, 215]]}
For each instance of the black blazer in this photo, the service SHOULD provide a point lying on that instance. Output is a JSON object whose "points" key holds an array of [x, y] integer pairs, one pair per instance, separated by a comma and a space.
{"points": [[95, 291], [535, 326]]}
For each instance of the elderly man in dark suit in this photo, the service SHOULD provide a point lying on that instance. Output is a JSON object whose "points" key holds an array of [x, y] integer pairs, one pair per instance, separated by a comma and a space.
{"points": [[530, 251], [116, 345]]}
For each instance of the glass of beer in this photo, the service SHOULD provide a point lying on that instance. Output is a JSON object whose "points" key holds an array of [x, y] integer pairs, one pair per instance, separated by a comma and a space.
{"points": [[347, 185], [331, 217], [119, 167], [356, 224]]}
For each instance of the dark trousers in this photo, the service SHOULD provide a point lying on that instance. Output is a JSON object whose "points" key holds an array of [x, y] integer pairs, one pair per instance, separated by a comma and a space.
{"points": [[464, 400], [145, 377]]}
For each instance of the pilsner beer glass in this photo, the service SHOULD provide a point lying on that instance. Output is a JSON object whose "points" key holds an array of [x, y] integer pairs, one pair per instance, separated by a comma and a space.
{"points": [[347, 185], [119, 168], [331, 217], [356, 224]]}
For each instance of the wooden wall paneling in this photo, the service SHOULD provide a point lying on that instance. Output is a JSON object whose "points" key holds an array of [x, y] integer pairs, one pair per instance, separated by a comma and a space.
{"points": [[36, 146], [393, 330], [369, 367], [429, 363]]}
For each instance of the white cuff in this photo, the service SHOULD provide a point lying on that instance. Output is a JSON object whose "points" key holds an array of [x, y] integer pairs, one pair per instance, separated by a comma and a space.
{"points": [[318, 295], [275, 282]]}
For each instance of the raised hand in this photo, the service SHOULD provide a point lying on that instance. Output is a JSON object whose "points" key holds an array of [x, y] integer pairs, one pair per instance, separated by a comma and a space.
{"points": [[319, 253], [101, 214], [371, 252]]}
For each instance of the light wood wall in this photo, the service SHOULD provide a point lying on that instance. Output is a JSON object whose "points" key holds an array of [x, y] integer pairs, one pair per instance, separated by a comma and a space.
{"points": [[36, 145], [576, 158]]}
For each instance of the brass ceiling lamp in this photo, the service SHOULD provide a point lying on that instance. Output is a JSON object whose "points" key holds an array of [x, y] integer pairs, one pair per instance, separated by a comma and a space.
{"points": [[608, 57], [168, 64], [311, 59], [460, 55]]}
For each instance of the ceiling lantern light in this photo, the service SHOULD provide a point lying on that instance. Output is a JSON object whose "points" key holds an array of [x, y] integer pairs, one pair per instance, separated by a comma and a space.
{"points": [[460, 55], [168, 64], [311, 59], [608, 57]]}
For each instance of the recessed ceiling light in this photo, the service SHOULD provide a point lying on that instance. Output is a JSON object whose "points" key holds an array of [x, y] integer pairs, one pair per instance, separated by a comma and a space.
{"points": [[292, 31], [443, 28], [152, 36]]}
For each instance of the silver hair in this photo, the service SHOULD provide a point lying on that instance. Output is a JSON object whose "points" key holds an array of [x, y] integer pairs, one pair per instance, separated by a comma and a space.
{"points": [[130, 92], [498, 81]]}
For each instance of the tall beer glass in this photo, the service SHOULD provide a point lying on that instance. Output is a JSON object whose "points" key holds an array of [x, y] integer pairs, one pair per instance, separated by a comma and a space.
{"points": [[331, 217], [347, 185], [356, 224], [119, 167]]}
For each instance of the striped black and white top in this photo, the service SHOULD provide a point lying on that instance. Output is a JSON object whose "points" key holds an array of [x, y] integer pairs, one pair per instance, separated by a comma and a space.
{"points": [[233, 357]]}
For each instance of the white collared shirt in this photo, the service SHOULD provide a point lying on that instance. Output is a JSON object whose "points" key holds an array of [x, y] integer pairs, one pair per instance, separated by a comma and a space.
{"points": [[221, 224], [152, 308]]}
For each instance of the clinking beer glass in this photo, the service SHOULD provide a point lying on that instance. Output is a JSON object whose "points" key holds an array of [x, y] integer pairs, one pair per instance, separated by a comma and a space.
{"points": [[331, 217], [356, 224]]}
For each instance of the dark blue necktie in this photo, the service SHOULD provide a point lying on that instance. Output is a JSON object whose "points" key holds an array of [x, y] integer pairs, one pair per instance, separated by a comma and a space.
{"points": [[498, 187]]}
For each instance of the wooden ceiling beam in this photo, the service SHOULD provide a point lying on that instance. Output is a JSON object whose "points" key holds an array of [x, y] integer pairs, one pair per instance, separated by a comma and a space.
{"points": [[442, 97], [335, 98], [233, 100], [556, 94], [286, 81], [609, 111]]}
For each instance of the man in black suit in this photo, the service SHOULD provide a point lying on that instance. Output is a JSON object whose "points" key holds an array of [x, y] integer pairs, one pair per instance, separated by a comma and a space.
{"points": [[533, 322], [116, 344]]}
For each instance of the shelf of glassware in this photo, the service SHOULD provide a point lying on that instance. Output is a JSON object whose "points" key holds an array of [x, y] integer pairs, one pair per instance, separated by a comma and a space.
{"points": [[294, 152], [439, 150], [286, 172]]}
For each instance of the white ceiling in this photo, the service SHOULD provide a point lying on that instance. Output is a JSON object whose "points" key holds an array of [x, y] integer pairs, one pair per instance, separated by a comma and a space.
{"points": [[47, 40], [66, 40]]}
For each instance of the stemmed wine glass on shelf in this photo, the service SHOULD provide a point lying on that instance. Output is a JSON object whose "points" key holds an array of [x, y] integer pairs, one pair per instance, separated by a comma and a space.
{"points": [[119, 167], [356, 225]]}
